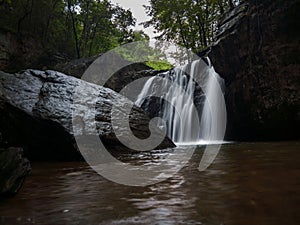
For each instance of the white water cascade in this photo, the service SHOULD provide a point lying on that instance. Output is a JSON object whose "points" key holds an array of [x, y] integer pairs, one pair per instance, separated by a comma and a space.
{"points": [[189, 120]]}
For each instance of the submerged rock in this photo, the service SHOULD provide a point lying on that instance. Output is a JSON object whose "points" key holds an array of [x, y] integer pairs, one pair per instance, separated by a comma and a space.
{"points": [[36, 113], [257, 52], [13, 169]]}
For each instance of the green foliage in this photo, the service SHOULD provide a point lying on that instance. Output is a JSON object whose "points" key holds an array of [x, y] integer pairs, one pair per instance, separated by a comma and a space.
{"points": [[81, 28], [188, 23], [77, 28], [159, 65], [141, 51]]}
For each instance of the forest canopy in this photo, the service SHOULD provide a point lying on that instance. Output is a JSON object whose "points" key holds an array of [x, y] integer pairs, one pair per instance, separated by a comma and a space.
{"points": [[188, 23], [83, 28], [78, 28]]}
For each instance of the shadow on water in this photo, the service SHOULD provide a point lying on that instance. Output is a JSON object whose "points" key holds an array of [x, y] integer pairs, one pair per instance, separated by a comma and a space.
{"points": [[248, 183]]}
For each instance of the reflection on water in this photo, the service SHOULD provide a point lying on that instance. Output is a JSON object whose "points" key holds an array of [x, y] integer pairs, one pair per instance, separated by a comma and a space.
{"points": [[246, 184]]}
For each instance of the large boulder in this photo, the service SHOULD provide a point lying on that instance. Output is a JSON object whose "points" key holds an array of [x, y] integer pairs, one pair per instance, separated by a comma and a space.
{"points": [[257, 52], [13, 169], [36, 113]]}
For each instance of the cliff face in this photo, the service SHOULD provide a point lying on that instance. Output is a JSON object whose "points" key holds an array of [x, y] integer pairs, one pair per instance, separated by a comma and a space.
{"points": [[17, 53], [257, 52]]}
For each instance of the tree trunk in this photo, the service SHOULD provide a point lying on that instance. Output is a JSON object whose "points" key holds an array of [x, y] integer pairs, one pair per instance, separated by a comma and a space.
{"points": [[74, 29], [231, 5], [204, 35], [49, 18], [221, 7], [86, 29], [27, 13], [93, 34]]}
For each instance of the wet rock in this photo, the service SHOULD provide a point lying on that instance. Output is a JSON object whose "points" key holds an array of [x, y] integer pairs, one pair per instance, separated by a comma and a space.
{"points": [[13, 169], [75, 67], [257, 53], [125, 75], [37, 108], [128, 74]]}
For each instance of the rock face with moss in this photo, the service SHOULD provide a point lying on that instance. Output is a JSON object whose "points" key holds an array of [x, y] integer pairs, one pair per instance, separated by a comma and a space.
{"points": [[258, 55], [37, 108]]}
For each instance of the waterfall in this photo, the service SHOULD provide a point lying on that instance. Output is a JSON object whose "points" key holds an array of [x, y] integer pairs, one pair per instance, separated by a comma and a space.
{"points": [[187, 120]]}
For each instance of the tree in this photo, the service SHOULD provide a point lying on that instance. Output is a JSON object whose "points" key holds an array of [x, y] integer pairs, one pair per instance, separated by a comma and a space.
{"points": [[189, 23], [100, 25], [142, 51], [71, 10], [78, 28]]}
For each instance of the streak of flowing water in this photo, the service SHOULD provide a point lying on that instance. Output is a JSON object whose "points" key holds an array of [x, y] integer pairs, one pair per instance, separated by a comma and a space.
{"points": [[177, 103]]}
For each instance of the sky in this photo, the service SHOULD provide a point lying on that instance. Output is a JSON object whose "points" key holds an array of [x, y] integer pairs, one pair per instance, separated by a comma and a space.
{"points": [[138, 11]]}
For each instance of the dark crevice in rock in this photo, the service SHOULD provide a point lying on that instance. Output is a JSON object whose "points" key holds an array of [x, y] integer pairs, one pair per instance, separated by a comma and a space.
{"points": [[14, 168]]}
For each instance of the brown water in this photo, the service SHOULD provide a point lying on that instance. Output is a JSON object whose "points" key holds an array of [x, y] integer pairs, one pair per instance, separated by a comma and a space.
{"points": [[247, 184]]}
